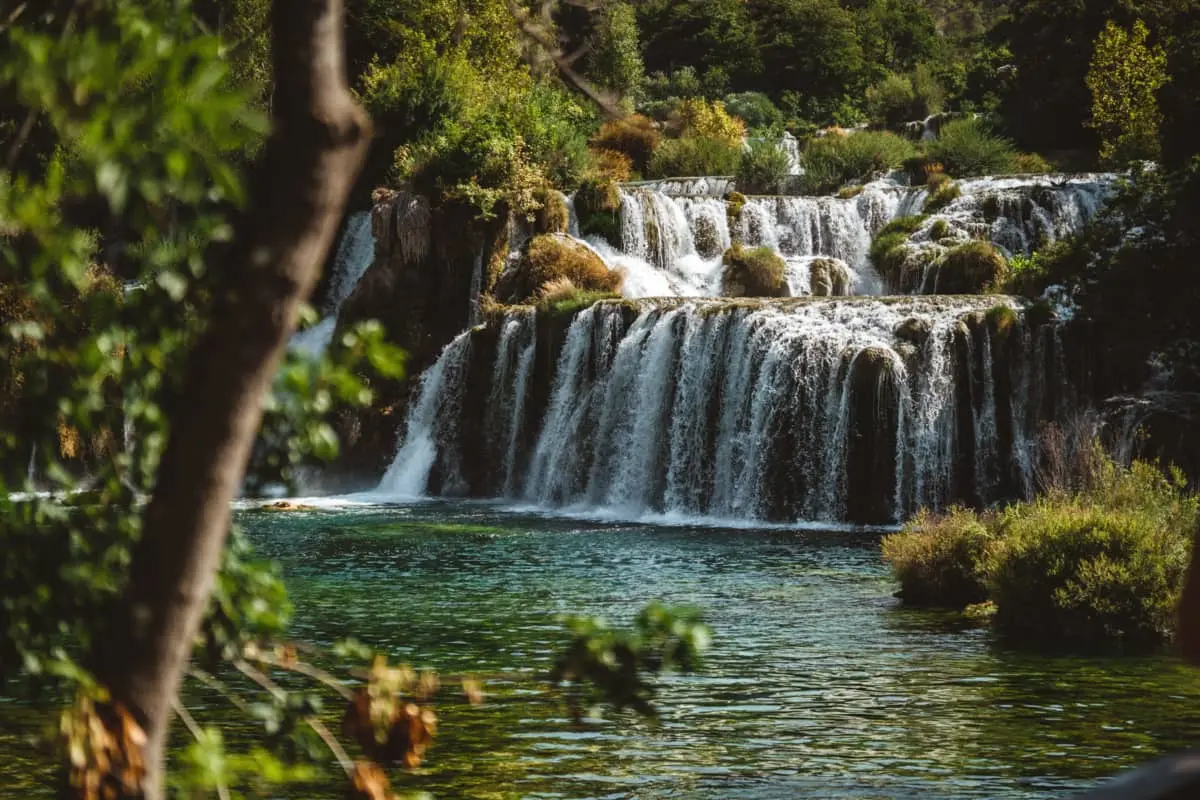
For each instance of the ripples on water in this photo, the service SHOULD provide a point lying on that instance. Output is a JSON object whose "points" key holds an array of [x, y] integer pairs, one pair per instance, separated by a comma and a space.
{"points": [[817, 685]]}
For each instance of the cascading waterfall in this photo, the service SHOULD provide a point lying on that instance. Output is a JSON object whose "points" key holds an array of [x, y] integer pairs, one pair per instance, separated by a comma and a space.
{"points": [[673, 233], [432, 419], [354, 255], [860, 410]]}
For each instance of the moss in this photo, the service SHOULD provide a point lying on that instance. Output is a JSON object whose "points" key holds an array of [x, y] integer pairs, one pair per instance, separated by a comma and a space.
{"points": [[734, 203], [553, 216], [905, 225], [942, 192], [888, 253], [598, 205], [939, 230], [849, 192], [550, 258], [970, 268], [1039, 313], [914, 330], [829, 278], [571, 303], [757, 272], [1002, 319]]}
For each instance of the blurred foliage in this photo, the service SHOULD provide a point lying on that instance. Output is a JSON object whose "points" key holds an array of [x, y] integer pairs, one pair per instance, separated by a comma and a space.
{"points": [[1125, 77]]}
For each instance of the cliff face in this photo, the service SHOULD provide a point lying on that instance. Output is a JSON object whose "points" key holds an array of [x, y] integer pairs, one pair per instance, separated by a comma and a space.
{"points": [[431, 267]]}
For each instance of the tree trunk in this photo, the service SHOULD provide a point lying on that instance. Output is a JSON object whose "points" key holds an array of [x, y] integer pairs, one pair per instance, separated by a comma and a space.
{"points": [[297, 195]]}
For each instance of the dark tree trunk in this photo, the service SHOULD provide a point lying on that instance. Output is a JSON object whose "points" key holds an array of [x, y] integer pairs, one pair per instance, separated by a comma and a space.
{"points": [[296, 199]]}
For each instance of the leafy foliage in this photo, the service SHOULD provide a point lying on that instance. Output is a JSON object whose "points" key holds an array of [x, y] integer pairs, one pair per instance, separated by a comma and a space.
{"points": [[833, 160], [764, 168], [967, 148], [1125, 76], [692, 156]]}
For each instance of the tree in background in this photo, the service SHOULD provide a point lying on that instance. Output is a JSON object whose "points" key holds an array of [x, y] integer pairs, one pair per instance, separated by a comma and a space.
{"points": [[1125, 77], [615, 60], [716, 39]]}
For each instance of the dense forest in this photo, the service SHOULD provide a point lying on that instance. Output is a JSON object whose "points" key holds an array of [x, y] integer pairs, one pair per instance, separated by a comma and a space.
{"points": [[588, 233]]}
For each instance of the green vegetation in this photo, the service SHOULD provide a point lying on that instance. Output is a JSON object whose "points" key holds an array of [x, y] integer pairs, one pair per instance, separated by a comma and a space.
{"points": [[1125, 77], [635, 136], [836, 159], [889, 249], [598, 206], [763, 168], [693, 156], [942, 192], [552, 216], [899, 99], [756, 272], [970, 268], [1097, 564], [967, 148], [548, 261]]}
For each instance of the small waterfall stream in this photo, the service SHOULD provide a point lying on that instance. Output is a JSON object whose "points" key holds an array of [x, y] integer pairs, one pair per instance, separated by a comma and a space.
{"points": [[355, 253]]}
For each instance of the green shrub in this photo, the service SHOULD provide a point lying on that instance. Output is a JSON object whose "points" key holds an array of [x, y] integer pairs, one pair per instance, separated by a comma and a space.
{"points": [[940, 559], [942, 192], [905, 225], [757, 272], [756, 110], [898, 99], [967, 148], [836, 159], [970, 268], [763, 169], [562, 297], [940, 229], [889, 249], [1101, 565], [547, 260], [598, 206], [1031, 164], [1077, 575], [693, 156], [636, 136]]}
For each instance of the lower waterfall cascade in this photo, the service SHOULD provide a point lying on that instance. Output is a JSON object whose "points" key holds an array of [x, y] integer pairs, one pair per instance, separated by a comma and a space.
{"points": [[675, 401], [858, 410]]}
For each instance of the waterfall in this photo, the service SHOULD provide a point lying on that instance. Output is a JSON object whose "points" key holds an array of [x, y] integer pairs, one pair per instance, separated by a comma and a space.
{"points": [[431, 420], [674, 232], [354, 254], [857, 409]]}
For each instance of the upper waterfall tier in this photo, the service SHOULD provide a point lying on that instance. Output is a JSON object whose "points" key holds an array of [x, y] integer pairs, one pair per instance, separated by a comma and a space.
{"points": [[355, 252], [674, 232], [859, 410]]}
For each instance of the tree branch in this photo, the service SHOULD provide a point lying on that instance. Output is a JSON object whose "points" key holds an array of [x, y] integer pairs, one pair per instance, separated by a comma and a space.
{"points": [[297, 195]]}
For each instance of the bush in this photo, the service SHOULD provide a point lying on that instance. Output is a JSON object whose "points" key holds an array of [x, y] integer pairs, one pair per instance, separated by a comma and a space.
{"points": [[611, 166], [1075, 575], [694, 156], [1031, 164], [636, 136], [970, 268], [753, 273], [598, 206], [898, 99], [942, 192], [939, 230], [836, 159], [889, 249], [939, 560], [699, 118], [549, 259], [553, 216], [967, 148], [1100, 565], [764, 168], [561, 297], [756, 110]]}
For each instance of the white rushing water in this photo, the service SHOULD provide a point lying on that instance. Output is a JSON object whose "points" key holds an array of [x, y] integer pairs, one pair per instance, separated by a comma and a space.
{"points": [[674, 232], [800, 410], [355, 253]]}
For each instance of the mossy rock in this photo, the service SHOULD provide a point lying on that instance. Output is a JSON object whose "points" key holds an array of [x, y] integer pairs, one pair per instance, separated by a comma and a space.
{"points": [[888, 254], [757, 272], [734, 203], [707, 238], [942, 192], [913, 330], [830, 277], [1002, 320], [940, 229], [970, 268], [849, 192], [554, 216], [554, 257]]}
